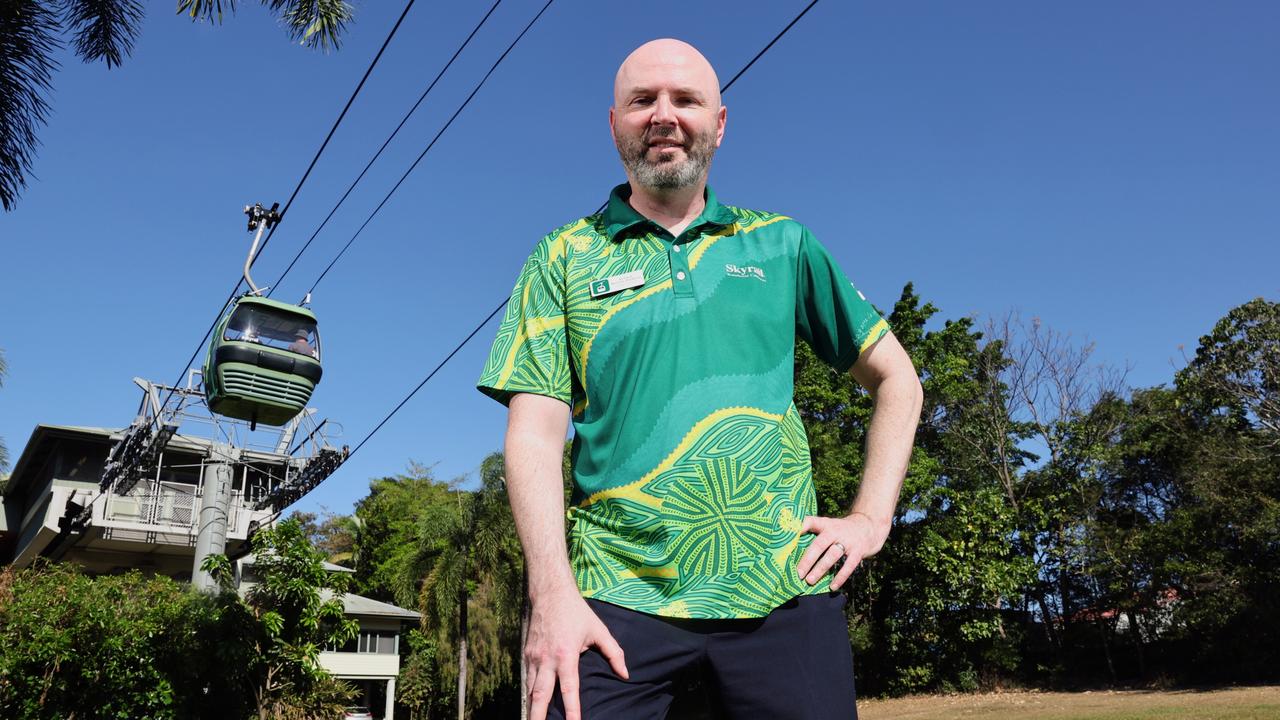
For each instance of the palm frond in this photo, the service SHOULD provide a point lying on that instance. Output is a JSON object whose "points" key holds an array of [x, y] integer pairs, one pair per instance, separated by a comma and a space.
{"points": [[437, 601], [493, 474], [411, 572], [210, 10], [491, 536], [28, 39], [104, 29], [314, 23]]}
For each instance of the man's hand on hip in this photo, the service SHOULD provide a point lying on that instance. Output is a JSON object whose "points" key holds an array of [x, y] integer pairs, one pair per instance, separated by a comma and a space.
{"points": [[853, 538], [561, 628]]}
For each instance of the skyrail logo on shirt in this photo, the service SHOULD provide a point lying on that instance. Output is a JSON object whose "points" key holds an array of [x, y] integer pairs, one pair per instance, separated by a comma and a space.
{"points": [[749, 271]]}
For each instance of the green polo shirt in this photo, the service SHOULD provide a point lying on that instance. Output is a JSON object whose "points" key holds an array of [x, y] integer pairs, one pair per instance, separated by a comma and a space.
{"points": [[676, 354]]}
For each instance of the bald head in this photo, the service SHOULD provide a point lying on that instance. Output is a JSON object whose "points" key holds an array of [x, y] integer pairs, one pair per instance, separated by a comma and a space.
{"points": [[667, 62], [667, 120]]}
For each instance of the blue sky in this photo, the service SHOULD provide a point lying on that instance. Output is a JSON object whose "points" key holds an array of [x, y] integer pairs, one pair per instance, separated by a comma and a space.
{"points": [[1112, 168]]}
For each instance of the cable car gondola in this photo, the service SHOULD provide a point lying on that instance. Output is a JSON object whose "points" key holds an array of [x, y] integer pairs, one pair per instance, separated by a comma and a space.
{"points": [[264, 359]]}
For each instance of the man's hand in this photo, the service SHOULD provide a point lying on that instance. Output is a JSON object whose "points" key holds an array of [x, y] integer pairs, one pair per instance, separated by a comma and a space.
{"points": [[562, 627], [854, 537]]}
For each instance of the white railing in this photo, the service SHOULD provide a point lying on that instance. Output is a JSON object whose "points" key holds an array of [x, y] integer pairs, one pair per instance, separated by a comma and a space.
{"points": [[171, 505]]}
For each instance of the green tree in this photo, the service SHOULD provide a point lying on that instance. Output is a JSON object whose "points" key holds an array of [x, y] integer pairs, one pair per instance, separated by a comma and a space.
{"points": [[467, 572], [1153, 521], [1062, 403], [1226, 568], [297, 606], [1236, 370], [31, 33], [335, 536], [963, 564], [416, 687], [1185, 539], [928, 611], [1137, 535], [122, 646], [388, 519]]}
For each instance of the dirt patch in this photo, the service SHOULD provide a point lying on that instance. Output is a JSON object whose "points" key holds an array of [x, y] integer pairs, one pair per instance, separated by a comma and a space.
{"points": [[1247, 703]]}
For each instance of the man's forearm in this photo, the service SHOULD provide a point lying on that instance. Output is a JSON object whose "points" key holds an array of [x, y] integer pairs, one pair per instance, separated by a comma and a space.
{"points": [[535, 488], [889, 440], [887, 373]]}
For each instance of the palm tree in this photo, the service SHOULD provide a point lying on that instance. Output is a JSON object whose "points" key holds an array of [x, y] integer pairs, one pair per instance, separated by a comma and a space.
{"points": [[31, 32], [346, 540], [460, 549]]}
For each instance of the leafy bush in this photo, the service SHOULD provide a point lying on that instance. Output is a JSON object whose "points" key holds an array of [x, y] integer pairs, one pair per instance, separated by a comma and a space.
{"points": [[124, 646]]}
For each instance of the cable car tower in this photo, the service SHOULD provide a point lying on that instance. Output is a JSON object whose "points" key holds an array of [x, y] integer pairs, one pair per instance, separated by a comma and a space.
{"points": [[261, 368]]}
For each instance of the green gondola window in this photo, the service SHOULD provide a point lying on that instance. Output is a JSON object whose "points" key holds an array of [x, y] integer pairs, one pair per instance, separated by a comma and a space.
{"points": [[264, 326]]}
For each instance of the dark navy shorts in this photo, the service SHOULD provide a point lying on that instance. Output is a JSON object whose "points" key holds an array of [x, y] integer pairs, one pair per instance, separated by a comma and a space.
{"points": [[793, 664]]}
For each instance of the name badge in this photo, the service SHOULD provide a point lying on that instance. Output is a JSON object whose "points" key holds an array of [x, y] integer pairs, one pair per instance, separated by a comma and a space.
{"points": [[617, 283]]}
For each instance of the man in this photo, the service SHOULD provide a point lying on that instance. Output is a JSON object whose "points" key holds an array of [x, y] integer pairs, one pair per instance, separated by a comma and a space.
{"points": [[300, 344], [665, 327]]}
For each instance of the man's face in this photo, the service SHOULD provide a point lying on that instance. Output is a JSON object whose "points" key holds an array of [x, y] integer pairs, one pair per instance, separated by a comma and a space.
{"points": [[667, 119]]}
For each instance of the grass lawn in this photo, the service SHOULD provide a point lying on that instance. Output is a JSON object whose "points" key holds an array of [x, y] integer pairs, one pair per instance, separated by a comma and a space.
{"points": [[1248, 703]]}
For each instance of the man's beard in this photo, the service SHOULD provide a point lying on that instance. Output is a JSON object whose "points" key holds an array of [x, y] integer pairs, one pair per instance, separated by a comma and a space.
{"points": [[667, 173]]}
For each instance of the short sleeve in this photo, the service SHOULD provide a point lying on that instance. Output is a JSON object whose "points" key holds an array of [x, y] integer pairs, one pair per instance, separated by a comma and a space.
{"points": [[831, 314], [530, 353]]}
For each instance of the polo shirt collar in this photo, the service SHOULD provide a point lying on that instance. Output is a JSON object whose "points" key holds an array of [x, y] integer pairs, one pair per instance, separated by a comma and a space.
{"points": [[620, 216]]}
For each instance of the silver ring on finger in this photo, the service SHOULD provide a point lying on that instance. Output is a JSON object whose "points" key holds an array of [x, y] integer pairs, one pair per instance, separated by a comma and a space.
{"points": [[843, 552]]}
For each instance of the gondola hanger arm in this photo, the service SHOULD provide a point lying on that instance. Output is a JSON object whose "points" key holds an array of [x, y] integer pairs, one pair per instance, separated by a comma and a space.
{"points": [[261, 219]]}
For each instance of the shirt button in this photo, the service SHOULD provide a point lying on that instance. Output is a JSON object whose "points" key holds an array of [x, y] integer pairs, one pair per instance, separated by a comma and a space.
{"points": [[680, 275], [676, 248]]}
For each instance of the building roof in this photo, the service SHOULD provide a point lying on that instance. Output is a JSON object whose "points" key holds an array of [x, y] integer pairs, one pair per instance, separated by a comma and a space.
{"points": [[353, 604], [251, 560], [337, 568], [40, 445]]}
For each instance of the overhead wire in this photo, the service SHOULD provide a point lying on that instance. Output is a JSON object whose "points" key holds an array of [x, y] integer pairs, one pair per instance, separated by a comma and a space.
{"points": [[321, 150], [297, 188], [503, 304], [430, 375], [387, 142], [430, 145], [287, 205], [765, 49]]}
